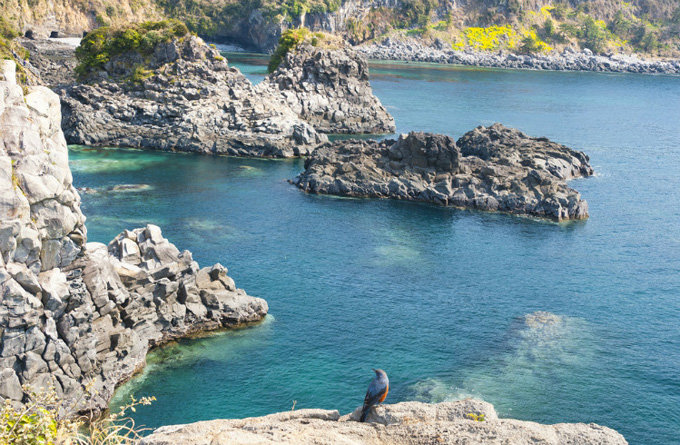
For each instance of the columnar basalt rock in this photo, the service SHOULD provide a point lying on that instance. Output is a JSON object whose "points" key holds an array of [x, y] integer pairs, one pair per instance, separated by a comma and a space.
{"points": [[490, 168], [329, 88], [192, 100], [466, 421], [72, 313]]}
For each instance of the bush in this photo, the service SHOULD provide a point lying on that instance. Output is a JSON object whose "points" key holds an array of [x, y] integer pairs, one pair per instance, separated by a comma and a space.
{"points": [[593, 35], [40, 421], [290, 39], [100, 45]]}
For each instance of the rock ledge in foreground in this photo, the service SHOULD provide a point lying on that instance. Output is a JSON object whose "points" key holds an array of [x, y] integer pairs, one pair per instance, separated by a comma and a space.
{"points": [[401, 423], [490, 168]]}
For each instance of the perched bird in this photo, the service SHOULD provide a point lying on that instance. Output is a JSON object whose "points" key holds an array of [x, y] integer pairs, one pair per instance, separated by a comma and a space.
{"points": [[377, 391]]}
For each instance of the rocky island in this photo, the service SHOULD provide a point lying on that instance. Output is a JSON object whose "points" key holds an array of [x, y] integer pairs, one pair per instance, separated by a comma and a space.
{"points": [[74, 312], [489, 168], [466, 421]]}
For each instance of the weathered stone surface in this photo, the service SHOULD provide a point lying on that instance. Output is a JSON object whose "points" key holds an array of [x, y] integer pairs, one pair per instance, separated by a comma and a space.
{"points": [[193, 102], [73, 312], [490, 168], [329, 89], [401, 423]]}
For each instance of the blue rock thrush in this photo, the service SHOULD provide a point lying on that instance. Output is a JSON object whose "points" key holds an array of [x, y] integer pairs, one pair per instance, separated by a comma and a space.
{"points": [[377, 391]]}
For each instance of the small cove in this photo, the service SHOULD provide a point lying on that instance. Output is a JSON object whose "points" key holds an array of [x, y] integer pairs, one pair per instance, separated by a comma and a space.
{"points": [[435, 296]]}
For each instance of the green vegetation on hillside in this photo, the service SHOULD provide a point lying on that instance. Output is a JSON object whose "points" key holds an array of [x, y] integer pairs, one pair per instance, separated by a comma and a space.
{"points": [[294, 37], [10, 50], [100, 45], [207, 17]]}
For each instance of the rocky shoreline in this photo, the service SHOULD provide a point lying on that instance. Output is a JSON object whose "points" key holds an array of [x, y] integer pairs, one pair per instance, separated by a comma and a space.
{"points": [[467, 421], [76, 316], [489, 168], [411, 50]]}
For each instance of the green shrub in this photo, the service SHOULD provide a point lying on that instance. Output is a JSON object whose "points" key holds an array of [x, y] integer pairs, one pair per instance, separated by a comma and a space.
{"points": [[40, 422], [593, 35], [290, 39], [100, 45]]}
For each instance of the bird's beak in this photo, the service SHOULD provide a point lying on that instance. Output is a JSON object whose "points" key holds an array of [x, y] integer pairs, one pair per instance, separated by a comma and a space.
{"points": [[373, 370]]}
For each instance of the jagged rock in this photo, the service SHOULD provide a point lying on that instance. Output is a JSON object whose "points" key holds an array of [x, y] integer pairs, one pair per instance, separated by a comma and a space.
{"points": [[401, 423], [490, 168], [73, 312], [193, 101], [328, 87]]}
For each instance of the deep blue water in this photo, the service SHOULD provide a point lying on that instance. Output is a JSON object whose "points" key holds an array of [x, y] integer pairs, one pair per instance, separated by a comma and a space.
{"points": [[434, 296]]}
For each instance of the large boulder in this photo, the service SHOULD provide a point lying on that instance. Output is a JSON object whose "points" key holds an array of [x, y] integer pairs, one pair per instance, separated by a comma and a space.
{"points": [[463, 422], [490, 168]]}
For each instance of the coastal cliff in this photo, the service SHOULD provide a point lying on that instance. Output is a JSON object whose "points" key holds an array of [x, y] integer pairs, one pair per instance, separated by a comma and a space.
{"points": [[78, 316], [171, 79], [490, 168], [327, 86], [466, 421]]}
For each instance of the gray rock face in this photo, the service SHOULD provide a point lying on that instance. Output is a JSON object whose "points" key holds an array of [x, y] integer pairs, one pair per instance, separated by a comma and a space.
{"points": [[329, 89], [402, 423], [569, 60], [192, 102], [490, 168], [72, 312]]}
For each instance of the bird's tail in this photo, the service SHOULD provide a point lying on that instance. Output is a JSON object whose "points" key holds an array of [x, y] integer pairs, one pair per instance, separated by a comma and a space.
{"points": [[364, 413]]}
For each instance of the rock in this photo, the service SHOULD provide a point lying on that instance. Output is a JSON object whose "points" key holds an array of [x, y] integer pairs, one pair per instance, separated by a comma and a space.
{"points": [[490, 168], [401, 423], [328, 87], [74, 312], [210, 107]]}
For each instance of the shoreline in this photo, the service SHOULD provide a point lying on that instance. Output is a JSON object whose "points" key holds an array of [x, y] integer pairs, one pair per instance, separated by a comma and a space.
{"points": [[568, 60]]}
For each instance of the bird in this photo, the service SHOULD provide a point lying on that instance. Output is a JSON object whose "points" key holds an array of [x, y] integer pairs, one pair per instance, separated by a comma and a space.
{"points": [[377, 391]]}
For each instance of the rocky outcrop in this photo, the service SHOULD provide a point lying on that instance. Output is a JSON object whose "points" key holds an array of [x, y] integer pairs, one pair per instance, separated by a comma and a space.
{"points": [[467, 421], [186, 99], [53, 61], [329, 89], [490, 168], [72, 313], [569, 60]]}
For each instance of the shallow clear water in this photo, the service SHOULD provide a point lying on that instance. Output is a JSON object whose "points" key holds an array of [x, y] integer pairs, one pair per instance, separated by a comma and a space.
{"points": [[435, 296]]}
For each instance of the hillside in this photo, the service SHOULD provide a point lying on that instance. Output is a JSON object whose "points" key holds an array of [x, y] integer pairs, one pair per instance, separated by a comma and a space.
{"points": [[649, 27]]}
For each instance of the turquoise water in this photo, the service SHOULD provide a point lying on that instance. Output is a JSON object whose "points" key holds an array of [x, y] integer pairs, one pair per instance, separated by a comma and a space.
{"points": [[435, 296]]}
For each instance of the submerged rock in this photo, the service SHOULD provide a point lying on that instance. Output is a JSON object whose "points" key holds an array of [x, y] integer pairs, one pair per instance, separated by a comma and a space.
{"points": [[490, 168], [466, 421], [183, 96], [73, 312], [328, 87]]}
